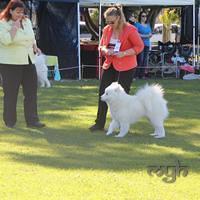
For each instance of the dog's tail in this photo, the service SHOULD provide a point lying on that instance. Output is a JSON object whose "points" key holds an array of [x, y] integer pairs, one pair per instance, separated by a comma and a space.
{"points": [[150, 95], [154, 89]]}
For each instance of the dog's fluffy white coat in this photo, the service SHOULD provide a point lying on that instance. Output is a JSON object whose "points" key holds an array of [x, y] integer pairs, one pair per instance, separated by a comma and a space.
{"points": [[42, 70], [127, 109]]}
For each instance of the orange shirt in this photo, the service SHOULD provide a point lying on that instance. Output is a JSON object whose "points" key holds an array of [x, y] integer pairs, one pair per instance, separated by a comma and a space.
{"points": [[129, 38]]}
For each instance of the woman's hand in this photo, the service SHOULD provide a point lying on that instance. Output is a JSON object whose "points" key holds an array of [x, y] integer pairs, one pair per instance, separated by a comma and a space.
{"points": [[128, 52], [109, 52], [36, 50], [106, 51], [16, 24], [146, 35], [120, 54]]}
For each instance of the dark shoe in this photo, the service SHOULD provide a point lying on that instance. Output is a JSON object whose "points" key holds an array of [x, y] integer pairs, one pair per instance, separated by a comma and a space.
{"points": [[36, 125], [96, 127]]}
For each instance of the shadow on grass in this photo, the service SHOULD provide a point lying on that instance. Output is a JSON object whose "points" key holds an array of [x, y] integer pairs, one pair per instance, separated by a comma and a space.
{"points": [[83, 150]]}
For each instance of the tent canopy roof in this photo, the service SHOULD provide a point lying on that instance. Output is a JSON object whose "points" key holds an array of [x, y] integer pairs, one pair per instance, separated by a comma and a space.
{"points": [[138, 2], [67, 1], [131, 2]]}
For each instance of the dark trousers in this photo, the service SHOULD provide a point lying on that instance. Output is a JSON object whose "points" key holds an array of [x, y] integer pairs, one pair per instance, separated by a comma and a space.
{"points": [[142, 60], [111, 75], [12, 77]]}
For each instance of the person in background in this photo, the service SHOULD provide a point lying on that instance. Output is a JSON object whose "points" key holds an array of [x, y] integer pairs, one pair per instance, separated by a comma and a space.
{"points": [[132, 19], [145, 32], [177, 32], [119, 44], [17, 48]]}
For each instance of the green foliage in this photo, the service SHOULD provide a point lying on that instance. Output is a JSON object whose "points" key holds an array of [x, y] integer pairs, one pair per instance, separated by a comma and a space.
{"points": [[169, 16], [95, 16]]}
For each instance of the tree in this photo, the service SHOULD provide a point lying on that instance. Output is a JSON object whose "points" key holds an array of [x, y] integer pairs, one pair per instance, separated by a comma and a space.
{"points": [[90, 23], [91, 19], [168, 17]]}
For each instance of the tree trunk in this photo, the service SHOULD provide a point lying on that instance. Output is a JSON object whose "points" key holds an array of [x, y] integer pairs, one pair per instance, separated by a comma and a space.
{"points": [[154, 12], [166, 33], [90, 24]]}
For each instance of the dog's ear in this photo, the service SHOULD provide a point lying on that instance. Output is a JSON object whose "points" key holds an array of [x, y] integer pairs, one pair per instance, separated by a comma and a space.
{"points": [[117, 88]]}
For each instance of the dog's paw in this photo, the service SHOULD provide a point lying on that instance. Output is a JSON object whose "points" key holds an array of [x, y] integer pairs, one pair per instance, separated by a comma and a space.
{"points": [[108, 133], [119, 136], [153, 134], [159, 136], [48, 84]]}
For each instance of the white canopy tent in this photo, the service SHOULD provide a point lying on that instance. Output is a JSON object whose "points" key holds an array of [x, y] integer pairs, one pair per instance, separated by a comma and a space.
{"points": [[164, 3], [138, 2]]}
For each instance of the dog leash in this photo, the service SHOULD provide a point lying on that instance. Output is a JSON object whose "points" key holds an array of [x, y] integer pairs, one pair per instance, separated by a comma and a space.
{"points": [[118, 77]]}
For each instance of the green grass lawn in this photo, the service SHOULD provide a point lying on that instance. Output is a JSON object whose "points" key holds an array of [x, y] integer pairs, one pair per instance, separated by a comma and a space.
{"points": [[64, 161]]}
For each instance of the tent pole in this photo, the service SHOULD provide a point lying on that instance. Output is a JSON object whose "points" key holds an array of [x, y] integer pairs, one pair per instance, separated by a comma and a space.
{"points": [[198, 37], [79, 54], [99, 39], [194, 28], [31, 10]]}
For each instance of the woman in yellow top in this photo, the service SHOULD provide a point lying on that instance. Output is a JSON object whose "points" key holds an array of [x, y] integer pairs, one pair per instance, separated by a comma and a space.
{"points": [[17, 48]]}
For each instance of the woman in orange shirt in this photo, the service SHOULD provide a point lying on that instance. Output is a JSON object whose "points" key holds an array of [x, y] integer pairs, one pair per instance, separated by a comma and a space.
{"points": [[120, 43]]}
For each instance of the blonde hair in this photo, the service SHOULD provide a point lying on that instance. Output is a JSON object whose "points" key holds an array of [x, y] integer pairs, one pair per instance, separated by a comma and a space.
{"points": [[117, 12]]}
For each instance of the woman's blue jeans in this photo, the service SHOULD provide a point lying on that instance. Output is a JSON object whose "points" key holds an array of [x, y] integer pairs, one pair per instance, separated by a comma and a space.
{"points": [[142, 60]]}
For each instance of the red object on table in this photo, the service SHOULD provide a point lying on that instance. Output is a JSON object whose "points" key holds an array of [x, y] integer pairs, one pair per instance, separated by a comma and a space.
{"points": [[187, 68]]}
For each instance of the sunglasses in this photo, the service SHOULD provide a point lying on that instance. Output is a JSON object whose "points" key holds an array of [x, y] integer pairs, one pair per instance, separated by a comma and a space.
{"points": [[110, 22]]}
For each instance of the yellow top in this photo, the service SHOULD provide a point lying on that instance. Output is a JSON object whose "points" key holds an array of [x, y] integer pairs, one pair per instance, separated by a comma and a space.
{"points": [[16, 51]]}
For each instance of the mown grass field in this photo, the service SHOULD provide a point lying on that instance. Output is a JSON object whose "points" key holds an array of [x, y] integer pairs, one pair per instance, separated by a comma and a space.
{"points": [[64, 161]]}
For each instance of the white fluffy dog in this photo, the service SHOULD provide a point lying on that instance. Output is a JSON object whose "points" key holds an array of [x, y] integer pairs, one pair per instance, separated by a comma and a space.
{"points": [[126, 109], [42, 70]]}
